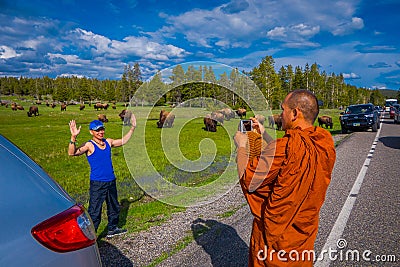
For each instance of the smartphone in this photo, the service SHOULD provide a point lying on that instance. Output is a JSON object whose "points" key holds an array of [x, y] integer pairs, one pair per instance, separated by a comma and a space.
{"points": [[246, 126]]}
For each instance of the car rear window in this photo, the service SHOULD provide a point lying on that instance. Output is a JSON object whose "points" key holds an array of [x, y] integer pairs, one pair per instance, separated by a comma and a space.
{"points": [[358, 109]]}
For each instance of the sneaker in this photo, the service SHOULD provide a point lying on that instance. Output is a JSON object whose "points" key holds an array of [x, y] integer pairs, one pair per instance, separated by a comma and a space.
{"points": [[115, 232]]}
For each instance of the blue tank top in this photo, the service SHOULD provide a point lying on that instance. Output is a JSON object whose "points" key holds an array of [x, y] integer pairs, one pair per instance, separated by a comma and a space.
{"points": [[101, 168]]}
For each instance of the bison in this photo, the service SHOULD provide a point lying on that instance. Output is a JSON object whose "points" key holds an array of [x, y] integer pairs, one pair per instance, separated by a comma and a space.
{"points": [[260, 118], [82, 107], [218, 116], [102, 118], [241, 112], [210, 124], [228, 113], [275, 120], [63, 107], [98, 106], [125, 116], [53, 105], [166, 119], [33, 110], [325, 120]]}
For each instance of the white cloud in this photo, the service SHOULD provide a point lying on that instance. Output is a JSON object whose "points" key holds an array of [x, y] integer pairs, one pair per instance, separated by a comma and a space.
{"points": [[285, 21], [298, 34], [7, 52], [98, 45], [349, 27], [351, 76]]}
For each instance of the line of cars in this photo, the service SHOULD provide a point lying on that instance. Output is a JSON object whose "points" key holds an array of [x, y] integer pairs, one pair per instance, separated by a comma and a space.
{"points": [[366, 116]]}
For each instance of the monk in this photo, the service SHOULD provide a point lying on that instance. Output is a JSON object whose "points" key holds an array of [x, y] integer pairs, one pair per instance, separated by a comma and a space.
{"points": [[285, 185]]}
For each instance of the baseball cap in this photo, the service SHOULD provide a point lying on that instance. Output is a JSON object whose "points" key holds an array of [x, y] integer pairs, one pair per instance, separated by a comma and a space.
{"points": [[95, 125]]}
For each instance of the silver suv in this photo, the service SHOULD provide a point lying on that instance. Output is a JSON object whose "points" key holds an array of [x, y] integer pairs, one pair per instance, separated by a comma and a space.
{"points": [[41, 225]]}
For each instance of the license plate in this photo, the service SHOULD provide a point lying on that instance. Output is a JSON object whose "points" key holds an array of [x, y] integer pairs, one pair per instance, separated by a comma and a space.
{"points": [[356, 124]]}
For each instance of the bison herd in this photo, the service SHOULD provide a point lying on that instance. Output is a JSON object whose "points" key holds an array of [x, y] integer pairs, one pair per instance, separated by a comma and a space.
{"points": [[166, 118]]}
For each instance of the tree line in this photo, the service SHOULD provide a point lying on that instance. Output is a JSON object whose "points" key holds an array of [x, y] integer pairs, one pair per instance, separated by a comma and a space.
{"points": [[229, 88]]}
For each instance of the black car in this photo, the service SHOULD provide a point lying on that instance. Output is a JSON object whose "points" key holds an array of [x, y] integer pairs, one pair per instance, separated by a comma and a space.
{"points": [[363, 117]]}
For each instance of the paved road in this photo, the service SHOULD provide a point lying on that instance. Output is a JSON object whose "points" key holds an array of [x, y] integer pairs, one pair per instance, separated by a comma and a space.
{"points": [[364, 218]]}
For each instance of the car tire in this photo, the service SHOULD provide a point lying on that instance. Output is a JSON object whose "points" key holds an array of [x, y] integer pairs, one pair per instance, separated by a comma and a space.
{"points": [[375, 127]]}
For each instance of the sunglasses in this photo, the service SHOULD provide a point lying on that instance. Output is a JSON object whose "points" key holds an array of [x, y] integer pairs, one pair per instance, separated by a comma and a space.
{"points": [[98, 130]]}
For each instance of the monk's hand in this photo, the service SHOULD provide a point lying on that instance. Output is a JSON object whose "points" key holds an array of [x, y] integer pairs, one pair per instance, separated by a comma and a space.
{"points": [[240, 139], [73, 129], [258, 126]]}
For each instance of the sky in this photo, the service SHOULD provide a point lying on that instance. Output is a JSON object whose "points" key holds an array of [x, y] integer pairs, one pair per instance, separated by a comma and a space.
{"points": [[96, 39]]}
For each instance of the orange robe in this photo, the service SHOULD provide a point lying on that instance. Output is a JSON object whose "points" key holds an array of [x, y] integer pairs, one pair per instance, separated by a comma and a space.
{"points": [[285, 188]]}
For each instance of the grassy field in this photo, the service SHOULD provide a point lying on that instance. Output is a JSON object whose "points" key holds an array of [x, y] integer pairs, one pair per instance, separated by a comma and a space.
{"points": [[45, 139]]}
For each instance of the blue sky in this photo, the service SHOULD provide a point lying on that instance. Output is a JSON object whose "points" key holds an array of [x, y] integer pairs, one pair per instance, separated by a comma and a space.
{"points": [[97, 38]]}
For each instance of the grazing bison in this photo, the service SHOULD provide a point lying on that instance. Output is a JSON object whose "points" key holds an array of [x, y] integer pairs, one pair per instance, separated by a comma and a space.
{"points": [[63, 107], [241, 112], [19, 107], [53, 105], [125, 116], [228, 113], [82, 107], [275, 120], [99, 106], [102, 118], [218, 116], [166, 119], [210, 124], [325, 120], [260, 118], [33, 110]]}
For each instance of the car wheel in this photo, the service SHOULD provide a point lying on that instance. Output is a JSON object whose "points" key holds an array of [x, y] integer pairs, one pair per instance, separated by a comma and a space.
{"points": [[375, 127]]}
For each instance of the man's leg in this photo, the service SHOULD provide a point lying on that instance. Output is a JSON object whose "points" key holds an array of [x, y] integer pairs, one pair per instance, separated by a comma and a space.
{"points": [[97, 194], [112, 206]]}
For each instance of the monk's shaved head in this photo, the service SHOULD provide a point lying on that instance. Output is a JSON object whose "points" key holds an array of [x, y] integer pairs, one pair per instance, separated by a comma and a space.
{"points": [[306, 102]]}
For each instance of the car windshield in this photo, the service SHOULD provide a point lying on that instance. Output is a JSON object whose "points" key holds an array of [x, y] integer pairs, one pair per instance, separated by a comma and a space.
{"points": [[358, 109]]}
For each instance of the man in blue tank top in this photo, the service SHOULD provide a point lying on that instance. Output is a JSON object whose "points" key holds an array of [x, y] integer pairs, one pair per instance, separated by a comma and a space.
{"points": [[102, 178]]}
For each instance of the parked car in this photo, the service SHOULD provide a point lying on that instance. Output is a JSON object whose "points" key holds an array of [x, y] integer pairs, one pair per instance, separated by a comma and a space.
{"points": [[392, 111], [379, 110], [396, 116], [42, 225], [362, 116]]}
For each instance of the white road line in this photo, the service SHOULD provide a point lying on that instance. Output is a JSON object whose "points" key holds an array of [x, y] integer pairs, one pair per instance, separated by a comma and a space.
{"points": [[323, 259]]}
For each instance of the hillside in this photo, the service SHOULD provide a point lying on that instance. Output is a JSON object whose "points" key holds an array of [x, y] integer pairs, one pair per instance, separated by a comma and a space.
{"points": [[389, 93]]}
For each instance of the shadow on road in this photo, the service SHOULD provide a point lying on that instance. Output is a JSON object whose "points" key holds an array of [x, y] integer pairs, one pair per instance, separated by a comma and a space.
{"points": [[112, 256], [221, 242], [391, 141]]}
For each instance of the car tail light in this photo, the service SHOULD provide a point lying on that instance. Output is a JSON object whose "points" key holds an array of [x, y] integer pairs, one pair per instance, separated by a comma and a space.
{"points": [[70, 230]]}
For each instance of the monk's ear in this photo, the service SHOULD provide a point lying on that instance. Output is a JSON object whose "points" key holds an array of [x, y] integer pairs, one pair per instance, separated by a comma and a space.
{"points": [[295, 114]]}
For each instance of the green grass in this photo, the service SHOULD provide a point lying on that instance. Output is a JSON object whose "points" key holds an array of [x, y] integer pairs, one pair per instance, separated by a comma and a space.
{"points": [[45, 139]]}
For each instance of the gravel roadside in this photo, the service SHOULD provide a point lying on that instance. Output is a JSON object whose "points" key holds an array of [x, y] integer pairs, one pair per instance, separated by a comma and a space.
{"points": [[160, 242]]}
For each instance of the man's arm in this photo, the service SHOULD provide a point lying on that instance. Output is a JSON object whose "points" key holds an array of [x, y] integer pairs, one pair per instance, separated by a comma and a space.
{"points": [[126, 137], [74, 151]]}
